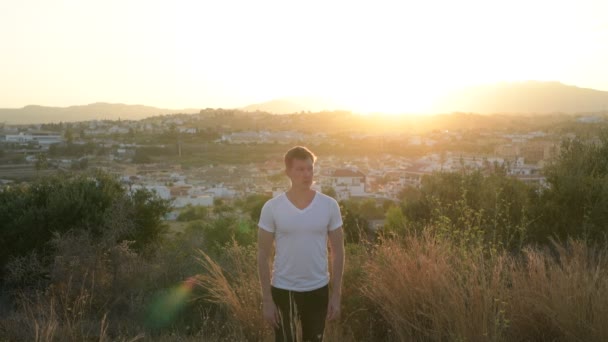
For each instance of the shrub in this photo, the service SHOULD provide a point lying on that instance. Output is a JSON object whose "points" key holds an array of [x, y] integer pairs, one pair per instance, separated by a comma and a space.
{"points": [[30, 215]]}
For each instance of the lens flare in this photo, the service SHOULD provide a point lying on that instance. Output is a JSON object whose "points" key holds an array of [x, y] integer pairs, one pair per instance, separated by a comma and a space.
{"points": [[166, 307]]}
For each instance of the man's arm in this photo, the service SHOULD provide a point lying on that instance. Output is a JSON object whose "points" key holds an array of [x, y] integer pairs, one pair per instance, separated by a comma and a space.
{"points": [[336, 245], [265, 244]]}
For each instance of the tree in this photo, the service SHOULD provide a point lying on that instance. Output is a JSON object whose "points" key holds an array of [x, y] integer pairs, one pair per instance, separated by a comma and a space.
{"points": [[395, 222], [69, 135], [370, 211], [41, 163], [192, 213], [221, 208], [30, 215], [149, 210], [224, 230], [499, 203], [355, 226], [253, 205], [576, 202]]}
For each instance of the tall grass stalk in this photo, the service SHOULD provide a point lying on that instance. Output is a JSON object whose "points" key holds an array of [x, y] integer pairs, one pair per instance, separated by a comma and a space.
{"points": [[235, 287], [561, 295], [427, 292]]}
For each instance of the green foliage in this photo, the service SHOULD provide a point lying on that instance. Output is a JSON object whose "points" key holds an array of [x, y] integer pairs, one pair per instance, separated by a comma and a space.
{"points": [[41, 162], [473, 207], [330, 191], [465, 231], [224, 230], [355, 226], [68, 134], [80, 164], [149, 210], [395, 221], [30, 215], [191, 213], [221, 208], [253, 205], [145, 154], [370, 210], [71, 149], [576, 203]]}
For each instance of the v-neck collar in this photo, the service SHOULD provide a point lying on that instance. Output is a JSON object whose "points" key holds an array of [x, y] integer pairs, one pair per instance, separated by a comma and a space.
{"points": [[303, 209]]}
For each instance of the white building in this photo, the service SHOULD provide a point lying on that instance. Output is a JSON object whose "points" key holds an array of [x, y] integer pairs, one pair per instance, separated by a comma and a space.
{"points": [[118, 130], [281, 137], [222, 192], [347, 183], [187, 130], [590, 119], [41, 138]]}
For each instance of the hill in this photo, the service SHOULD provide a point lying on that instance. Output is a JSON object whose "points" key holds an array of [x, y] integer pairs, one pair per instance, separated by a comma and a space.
{"points": [[525, 97], [530, 97], [290, 105], [94, 111]]}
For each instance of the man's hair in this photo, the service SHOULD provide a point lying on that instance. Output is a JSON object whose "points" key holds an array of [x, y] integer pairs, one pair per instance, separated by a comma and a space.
{"points": [[298, 152]]}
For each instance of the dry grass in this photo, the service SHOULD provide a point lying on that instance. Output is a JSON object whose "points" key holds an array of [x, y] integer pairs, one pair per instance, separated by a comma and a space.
{"points": [[563, 297], [420, 288], [424, 289], [236, 288], [426, 292], [58, 314]]}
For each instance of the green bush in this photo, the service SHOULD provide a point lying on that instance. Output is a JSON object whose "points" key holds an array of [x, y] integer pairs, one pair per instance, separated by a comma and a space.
{"points": [[192, 213], [30, 215], [576, 202], [492, 209]]}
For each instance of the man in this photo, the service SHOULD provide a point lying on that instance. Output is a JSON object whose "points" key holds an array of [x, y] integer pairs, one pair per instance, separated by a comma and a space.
{"points": [[300, 222]]}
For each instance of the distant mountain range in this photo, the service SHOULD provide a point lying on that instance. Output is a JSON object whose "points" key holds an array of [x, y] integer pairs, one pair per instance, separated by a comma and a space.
{"points": [[94, 111], [521, 97], [518, 97], [290, 105], [525, 97]]}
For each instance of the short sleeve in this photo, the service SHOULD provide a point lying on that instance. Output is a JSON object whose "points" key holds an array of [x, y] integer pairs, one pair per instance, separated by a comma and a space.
{"points": [[266, 218], [335, 220]]}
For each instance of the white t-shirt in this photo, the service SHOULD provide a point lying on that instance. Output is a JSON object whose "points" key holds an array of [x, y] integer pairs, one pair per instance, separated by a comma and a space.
{"points": [[300, 261]]}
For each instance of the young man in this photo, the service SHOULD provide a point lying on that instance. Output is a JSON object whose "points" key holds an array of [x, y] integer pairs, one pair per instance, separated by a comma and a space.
{"points": [[299, 222]]}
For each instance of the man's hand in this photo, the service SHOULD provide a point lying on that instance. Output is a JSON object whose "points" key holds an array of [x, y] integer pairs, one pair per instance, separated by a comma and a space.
{"points": [[333, 308], [271, 313], [269, 309]]}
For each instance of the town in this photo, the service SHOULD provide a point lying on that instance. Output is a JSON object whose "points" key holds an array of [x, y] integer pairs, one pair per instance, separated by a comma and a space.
{"points": [[227, 154]]}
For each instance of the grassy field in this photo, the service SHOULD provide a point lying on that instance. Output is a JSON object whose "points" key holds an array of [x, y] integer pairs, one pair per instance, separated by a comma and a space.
{"points": [[419, 288]]}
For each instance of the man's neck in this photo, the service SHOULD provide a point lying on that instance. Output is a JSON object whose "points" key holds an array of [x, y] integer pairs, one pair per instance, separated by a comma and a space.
{"points": [[299, 192]]}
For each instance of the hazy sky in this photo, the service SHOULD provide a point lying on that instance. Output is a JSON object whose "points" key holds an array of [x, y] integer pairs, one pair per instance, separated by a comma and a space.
{"points": [[371, 55]]}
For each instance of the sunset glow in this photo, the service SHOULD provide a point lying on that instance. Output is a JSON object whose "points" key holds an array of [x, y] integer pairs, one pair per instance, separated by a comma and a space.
{"points": [[382, 56]]}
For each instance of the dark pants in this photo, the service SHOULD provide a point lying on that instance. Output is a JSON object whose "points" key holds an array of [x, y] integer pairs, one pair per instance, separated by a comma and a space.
{"points": [[309, 308]]}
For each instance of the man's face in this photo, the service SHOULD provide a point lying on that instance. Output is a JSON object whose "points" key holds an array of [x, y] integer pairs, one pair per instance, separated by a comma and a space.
{"points": [[301, 172]]}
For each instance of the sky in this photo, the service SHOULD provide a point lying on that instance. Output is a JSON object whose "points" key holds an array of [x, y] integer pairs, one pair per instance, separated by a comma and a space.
{"points": [[391, 56]]}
